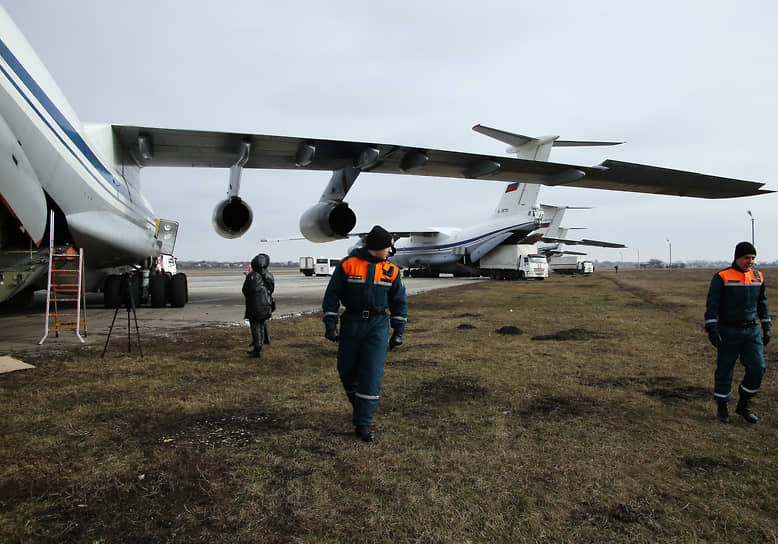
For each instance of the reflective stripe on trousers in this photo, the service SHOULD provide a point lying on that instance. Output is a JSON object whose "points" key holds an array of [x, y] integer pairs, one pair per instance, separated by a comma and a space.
{"points": [[361, 354], [747, 344]]}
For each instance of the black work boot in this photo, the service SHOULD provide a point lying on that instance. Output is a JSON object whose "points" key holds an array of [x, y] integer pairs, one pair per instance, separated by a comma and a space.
{"points": [[723, 413], [255, 353], [365, 432], [744, 409]]}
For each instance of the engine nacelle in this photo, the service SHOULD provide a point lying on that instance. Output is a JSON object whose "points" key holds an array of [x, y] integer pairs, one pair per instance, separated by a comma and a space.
{"points": [[232, 217], [327, 221]]}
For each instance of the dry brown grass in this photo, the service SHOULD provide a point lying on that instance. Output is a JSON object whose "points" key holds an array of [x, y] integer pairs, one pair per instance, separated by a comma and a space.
{"points": [[591, 420]]}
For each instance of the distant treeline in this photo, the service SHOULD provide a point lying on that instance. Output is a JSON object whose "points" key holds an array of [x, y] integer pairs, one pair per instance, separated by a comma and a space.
{"points": [[221, 265]]}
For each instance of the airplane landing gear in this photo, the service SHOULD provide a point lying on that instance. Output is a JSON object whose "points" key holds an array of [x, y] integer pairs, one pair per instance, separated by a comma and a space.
{"points": [[160, 289]]}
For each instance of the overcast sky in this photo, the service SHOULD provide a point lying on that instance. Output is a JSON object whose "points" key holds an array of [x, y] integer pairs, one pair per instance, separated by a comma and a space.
{"points": [[688, 85]]}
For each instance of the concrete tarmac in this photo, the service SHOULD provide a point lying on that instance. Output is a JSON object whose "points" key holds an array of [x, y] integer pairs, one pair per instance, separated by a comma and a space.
{"points": [[215, 299]]}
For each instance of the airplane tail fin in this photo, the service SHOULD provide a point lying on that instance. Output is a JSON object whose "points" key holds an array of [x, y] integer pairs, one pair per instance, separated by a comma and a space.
{"points": [[519, 199], [552, 220]]}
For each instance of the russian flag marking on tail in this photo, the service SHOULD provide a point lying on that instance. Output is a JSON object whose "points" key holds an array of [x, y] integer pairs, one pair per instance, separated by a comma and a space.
{"points": [[512, 187]]}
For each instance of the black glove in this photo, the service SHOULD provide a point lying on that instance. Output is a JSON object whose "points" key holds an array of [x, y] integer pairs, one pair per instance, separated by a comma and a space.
{"points": [[765, 336], [331, 334], [395, 340], [714, 336]]}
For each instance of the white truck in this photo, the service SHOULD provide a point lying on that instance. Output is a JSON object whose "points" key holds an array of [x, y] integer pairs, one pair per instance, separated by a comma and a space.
{"points": [[166, 263], [307, 265], [514, 261], [325, 266], [571, 264]]}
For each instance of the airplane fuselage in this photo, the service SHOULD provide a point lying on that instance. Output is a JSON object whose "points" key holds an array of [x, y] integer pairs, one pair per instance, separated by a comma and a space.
{"points": [[79, 170], [444, 249]]}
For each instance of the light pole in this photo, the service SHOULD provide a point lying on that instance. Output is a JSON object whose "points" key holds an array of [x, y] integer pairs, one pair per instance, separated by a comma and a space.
{"points": [[670, 245], [752, 226]]}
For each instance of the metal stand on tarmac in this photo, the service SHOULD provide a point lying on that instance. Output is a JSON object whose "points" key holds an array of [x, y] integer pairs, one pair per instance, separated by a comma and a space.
{"points": [[128, 301]]}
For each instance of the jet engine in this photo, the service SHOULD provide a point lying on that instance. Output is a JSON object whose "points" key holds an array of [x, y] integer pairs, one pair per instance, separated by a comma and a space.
{"points": [[232, 217], [326, 221]]}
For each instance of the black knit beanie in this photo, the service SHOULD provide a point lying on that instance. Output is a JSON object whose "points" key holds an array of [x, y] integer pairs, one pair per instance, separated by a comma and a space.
{"points": [[744, 248], [378, 238]]}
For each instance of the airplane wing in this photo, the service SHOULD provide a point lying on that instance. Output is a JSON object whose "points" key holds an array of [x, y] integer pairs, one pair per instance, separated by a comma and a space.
{"points": [[147, 146], [432, 231]]}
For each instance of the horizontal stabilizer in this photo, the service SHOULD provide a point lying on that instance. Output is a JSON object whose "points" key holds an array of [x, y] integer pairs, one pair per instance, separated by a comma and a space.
{"points": [[518, 140], [584, 242]]}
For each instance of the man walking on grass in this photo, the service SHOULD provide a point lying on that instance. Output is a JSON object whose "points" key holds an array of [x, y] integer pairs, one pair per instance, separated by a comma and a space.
{"points": [[736, 306], [367, 285]]}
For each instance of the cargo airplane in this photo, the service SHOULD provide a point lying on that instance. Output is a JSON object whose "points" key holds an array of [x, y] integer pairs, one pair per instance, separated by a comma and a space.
{"points": [[518, 219], [88, 179]]}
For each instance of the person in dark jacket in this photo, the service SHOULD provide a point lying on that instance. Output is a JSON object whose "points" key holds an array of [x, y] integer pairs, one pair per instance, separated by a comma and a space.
{"points": [[258, 289], [736, 306], [367, 285]]}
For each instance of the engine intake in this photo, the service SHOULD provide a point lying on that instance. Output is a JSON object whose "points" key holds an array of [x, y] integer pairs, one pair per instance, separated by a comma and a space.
{"points": [[232, 217], [327, 221]]}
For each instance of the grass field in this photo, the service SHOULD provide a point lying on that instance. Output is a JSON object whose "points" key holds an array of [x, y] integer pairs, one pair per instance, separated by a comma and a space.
{"points": [[587, 418]]}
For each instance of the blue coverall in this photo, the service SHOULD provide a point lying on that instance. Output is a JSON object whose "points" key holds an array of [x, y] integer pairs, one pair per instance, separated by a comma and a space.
{"points": [[736, 306], [366, 286]]}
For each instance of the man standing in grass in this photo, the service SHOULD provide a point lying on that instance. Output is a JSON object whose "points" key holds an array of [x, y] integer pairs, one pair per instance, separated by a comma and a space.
{"points": [[737, 305], [367, 285]]}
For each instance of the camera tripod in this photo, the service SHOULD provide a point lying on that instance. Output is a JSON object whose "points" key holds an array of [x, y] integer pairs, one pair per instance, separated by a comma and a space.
{"points": [[128, 301]]}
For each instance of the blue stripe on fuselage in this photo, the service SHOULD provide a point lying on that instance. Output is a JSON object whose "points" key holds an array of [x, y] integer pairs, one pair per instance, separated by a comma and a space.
{"points": [[73, 135], [464, 242]]}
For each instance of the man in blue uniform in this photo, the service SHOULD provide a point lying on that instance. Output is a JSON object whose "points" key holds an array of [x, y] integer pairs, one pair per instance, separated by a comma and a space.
{"points": [[737, 305], [367, 285]]}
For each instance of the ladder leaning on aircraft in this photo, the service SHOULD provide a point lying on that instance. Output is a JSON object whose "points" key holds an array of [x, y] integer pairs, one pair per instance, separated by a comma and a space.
{"points": [[90, 177]]}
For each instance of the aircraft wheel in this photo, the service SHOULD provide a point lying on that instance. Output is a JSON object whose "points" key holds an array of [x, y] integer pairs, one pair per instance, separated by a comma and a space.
{"points": [[178, 291], [112, 292], [158, 290]]}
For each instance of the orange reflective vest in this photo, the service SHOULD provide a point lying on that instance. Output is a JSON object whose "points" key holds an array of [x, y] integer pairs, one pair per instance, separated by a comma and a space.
{"points": [[736, 298]]}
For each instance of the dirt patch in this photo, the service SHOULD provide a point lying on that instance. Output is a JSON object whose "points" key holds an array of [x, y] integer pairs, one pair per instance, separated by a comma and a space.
{"points": [[666, 388], [509, 330], [614, 516], [682, 393], [629, 381], [411, 362], [572, 334], [408, 346], [218, 430], [709, 464], [451, 389], [562, 407], [465, 327]]}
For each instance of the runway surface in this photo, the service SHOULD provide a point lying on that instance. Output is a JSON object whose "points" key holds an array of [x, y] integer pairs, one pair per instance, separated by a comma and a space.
{"points": [[214, 299]]}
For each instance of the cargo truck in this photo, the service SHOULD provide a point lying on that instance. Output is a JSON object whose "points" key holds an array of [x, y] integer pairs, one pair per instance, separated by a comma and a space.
{"points": [[514, 261], [570, 264], [325, 266], [306, 265]]}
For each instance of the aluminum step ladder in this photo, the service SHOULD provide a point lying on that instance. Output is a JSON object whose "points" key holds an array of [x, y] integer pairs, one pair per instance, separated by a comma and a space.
{"points": [[65, 293]]}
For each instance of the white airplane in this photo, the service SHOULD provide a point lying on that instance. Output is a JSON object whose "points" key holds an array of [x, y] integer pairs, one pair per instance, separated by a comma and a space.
{"points": [[89, 177], [518, 219]]}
